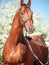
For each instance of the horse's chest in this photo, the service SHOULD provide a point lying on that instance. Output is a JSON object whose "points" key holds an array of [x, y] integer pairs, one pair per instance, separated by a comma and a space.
{"points": [[16, 54]]}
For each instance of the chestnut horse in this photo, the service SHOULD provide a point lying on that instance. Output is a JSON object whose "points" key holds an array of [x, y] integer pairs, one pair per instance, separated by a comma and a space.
{"points": [[16, 50]]}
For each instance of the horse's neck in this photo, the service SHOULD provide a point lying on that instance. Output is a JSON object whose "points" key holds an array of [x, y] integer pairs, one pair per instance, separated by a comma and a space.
{"points": [[16, 32]]}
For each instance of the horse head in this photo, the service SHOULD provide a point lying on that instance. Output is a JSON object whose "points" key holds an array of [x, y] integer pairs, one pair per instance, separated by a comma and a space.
{"points": [[25, 15]]}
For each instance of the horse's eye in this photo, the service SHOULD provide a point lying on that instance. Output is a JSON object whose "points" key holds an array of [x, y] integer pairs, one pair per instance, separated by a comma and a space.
{"points": [[22, 13]]}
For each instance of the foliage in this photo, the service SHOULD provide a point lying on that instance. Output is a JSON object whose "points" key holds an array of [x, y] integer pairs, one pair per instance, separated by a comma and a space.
{"points": [[41, 27], [7, 12]]}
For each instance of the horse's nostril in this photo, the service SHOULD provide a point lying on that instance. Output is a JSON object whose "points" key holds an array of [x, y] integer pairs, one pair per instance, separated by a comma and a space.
{"points": [[30, 29]]}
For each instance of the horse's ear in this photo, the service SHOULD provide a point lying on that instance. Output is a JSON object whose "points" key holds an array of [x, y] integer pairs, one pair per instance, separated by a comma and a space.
{"points": [[29, 3], [21, 3]]}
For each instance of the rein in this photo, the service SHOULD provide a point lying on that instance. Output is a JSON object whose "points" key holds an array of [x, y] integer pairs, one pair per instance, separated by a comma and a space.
{"points": [[33, 52]]}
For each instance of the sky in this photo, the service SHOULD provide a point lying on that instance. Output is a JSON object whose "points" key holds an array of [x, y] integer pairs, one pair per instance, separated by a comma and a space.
{"points": [[41, 6]]}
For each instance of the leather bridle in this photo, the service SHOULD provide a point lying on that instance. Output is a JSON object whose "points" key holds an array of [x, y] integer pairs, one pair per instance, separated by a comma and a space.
{"points": [[30, 45], [24, 22]]}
